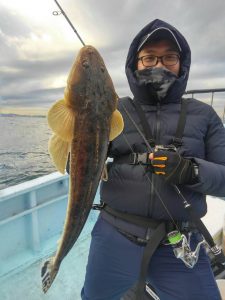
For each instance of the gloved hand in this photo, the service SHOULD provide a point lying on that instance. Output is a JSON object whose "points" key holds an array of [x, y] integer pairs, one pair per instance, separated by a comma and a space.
{"points": [[174, 168]]}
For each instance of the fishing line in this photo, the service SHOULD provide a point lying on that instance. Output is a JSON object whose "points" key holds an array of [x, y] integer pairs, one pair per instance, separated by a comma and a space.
{"points": [[56, 13], [151, 150], [157, 193], [138, 129], [207, 239], [131, 119]]}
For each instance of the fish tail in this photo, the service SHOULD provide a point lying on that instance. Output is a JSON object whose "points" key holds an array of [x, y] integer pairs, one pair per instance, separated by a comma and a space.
{"points": [[48, 274]]}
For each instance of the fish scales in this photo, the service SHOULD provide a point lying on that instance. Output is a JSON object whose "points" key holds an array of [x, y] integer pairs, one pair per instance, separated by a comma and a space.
{"points": [[85, 175], [91, 96]]}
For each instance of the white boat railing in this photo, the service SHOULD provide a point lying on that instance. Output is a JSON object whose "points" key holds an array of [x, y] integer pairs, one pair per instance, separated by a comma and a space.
{"points": [[212, 92], [32, 215], [31, 219]]}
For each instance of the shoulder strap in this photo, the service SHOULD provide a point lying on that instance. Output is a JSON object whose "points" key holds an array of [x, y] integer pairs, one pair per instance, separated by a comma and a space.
{"points": [[177, 140], [145, 125]]}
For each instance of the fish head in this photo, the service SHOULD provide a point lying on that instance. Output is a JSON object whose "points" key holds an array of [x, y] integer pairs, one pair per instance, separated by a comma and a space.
{"points": [[89, 82]]}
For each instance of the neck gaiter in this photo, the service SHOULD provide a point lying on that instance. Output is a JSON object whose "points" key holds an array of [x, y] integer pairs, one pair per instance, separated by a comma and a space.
{"points": [[160, 80]]}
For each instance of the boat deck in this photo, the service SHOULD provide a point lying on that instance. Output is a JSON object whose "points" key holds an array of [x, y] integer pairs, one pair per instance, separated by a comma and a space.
{"points": [[25, 283], [31, 221], [32, 215]]}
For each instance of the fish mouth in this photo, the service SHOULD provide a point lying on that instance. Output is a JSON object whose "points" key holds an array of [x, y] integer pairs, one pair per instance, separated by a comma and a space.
{"points": [[83, 124], [90, 56]]}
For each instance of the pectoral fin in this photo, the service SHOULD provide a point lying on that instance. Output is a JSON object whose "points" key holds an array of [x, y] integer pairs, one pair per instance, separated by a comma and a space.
{"points": [[61, 119], [117, 125], [59, 151]]}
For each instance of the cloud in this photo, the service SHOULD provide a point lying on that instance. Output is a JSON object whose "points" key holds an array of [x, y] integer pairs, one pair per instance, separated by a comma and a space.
{"points": [[37, 48], [12, 24]]}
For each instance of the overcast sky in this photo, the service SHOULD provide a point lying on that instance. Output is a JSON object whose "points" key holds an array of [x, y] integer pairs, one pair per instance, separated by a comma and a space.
{"points": [[38, 48]]}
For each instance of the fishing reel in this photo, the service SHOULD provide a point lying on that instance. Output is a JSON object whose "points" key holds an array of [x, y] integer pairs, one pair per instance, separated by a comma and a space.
{"points": [[182, 249], [171, 148]]}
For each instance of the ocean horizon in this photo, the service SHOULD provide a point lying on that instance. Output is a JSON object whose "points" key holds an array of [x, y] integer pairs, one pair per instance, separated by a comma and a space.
{"points": [[23, 148]]}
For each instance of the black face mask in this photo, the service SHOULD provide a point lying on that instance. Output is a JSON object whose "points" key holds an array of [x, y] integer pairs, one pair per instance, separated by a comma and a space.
{"points": [[159, 79]]}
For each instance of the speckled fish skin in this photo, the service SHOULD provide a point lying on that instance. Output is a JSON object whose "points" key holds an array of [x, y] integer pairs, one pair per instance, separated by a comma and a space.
{"points": [[94, 99], [90, 93]]}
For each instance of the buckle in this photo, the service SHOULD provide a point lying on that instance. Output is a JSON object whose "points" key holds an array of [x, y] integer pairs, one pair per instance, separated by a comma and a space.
{"points": [[166, 148], [143, 158], [139, 158], [99, 206], [133, 159]]}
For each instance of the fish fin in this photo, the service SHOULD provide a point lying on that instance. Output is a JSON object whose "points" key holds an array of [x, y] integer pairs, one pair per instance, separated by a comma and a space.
{"points": [[61, 119], [59, 151], [117, 125], [48, 274]]}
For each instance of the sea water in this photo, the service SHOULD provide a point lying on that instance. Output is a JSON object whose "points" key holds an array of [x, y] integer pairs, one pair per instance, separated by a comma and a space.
{"points": [[23, 149]]}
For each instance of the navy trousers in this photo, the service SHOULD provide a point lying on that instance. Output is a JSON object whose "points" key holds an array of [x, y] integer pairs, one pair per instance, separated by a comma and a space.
{"points": [[114, 265]]}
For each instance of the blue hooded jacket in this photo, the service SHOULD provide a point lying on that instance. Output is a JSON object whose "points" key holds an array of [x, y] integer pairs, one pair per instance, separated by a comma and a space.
{"points": [[128, 189]]}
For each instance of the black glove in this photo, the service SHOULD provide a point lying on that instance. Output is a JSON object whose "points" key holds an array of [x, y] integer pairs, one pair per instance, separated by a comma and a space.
{"points": [[175, 169]]}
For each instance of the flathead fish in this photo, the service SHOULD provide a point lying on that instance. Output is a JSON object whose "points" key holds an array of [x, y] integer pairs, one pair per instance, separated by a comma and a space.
{"points": [[83, 123]]}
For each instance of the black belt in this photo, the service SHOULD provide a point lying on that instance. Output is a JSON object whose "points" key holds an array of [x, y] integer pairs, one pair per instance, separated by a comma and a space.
{"points": [[157, 235], [135, 228], [151, 240], [184, 227], [137, 234]]}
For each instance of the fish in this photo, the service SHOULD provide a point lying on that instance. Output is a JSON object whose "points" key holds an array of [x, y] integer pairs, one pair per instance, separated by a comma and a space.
{"points": [[83, 124]]}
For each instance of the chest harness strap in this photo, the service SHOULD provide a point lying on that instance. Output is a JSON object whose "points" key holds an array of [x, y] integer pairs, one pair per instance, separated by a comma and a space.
{"points": [[160, 229], [142, 158], [219, 257]]}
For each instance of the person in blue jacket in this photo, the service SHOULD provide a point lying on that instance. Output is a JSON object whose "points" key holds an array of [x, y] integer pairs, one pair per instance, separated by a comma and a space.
{"points": [[147, 166]]}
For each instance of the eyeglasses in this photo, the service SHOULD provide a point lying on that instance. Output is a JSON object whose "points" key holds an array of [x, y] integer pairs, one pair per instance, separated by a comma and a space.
{"points": [[167, 60]]}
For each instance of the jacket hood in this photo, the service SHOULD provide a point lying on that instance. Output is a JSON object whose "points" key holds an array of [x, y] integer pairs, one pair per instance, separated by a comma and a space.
{"points": [[145, 94]]}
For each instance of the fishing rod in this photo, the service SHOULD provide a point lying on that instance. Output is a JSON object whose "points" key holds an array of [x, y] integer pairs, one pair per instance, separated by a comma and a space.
{"points": [[208, 239], [181, 249], [56, 13]]}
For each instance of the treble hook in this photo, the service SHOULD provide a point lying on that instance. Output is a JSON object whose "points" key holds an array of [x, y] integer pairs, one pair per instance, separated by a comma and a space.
{"points": [[57, 13]]}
